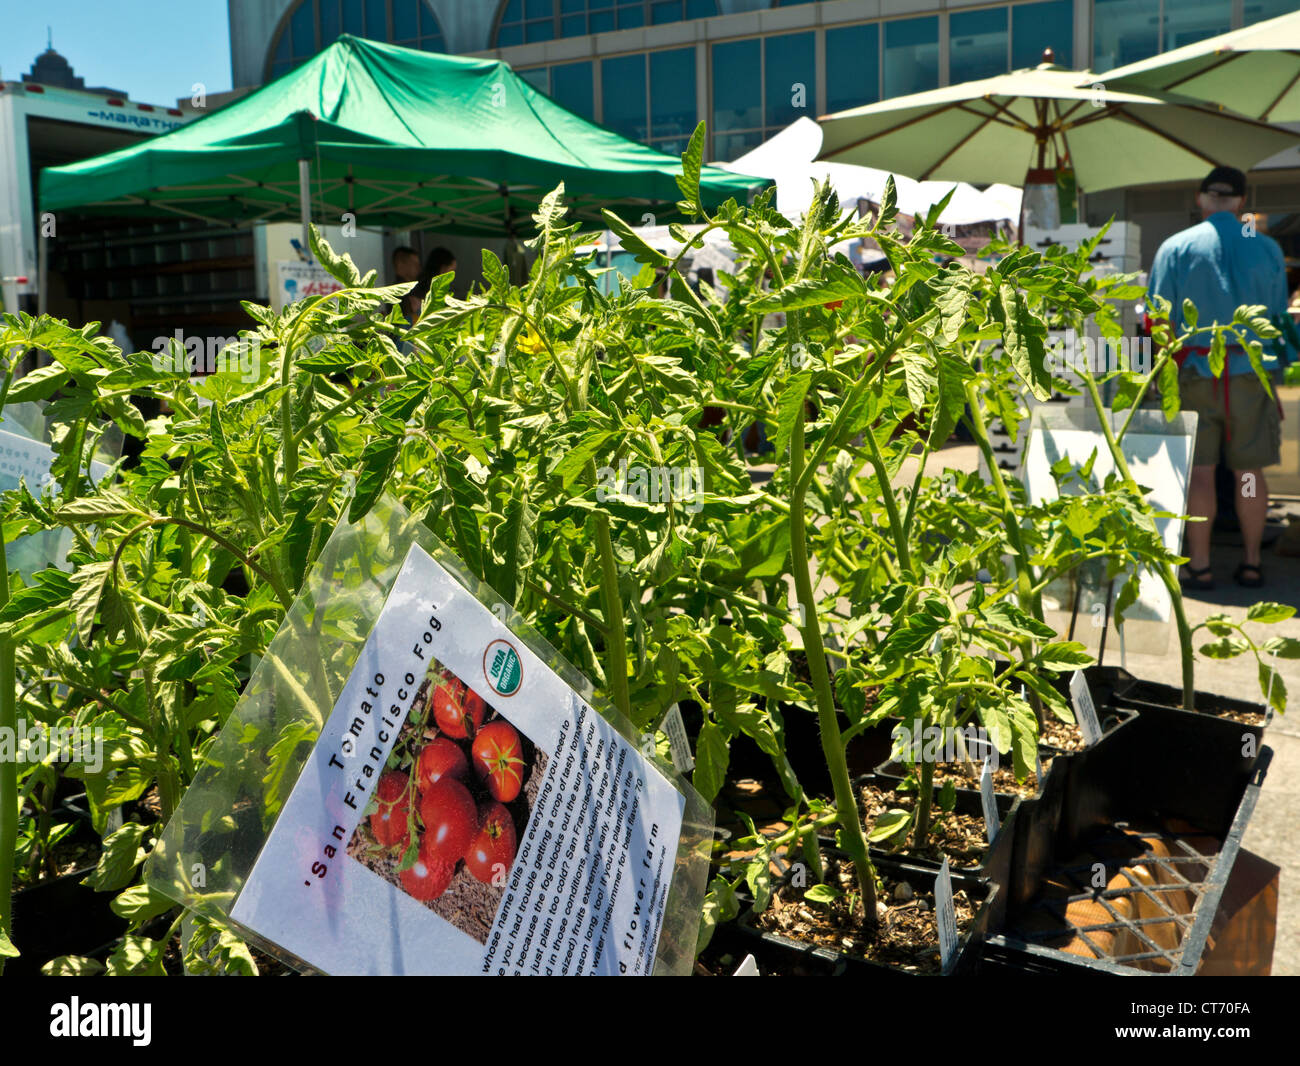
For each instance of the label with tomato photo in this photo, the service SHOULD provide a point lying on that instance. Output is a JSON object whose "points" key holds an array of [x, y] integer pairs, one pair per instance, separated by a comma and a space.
{"points": [[465, 811]]}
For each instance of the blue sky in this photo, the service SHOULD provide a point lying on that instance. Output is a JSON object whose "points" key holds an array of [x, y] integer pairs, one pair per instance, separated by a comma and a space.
{"points": [[153, 51]]}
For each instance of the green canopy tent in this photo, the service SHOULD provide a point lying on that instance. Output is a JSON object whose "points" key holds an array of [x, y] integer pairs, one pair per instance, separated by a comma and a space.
{"points": [[1254, 70], [398, 137]]}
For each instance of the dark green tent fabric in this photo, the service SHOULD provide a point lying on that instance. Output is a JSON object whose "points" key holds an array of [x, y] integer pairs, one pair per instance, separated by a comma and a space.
{"points": [[401, 138]]}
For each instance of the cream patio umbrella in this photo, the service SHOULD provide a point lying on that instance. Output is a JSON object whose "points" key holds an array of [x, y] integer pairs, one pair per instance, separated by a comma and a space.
{"points": [[1002, 128], [1254, 70]]}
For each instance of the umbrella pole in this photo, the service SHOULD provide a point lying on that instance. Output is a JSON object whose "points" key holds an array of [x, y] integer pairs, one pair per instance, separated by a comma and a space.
{"points": [[304, 200], [42, 273]]}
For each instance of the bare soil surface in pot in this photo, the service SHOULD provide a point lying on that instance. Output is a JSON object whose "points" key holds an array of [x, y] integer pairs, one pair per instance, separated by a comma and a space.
{"points": [[1004, 778], [905, 934], [959, 836]]}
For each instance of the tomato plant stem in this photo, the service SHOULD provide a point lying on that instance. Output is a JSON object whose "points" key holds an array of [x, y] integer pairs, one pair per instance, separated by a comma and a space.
{"points": [[853, 840], [615, 630], [1168, 573], [8, 767]]}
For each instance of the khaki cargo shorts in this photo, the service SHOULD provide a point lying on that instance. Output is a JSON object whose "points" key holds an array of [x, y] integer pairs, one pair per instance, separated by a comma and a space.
{"points": [[1254, 437]]}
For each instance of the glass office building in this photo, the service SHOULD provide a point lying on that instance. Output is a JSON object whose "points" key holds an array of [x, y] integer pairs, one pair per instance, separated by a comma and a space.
{"points": [[652, 69]]}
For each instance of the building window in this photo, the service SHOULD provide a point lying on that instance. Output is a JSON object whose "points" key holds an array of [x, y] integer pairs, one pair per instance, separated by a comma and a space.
{"points": [[1125, 31], [760, 87], [977, 44], [569, 85], [651, 97], [526, 21], [1189, 21], [911, 56], [852, 66], [316, 24], [1258, 10], [1036, 27], [572, 87]]}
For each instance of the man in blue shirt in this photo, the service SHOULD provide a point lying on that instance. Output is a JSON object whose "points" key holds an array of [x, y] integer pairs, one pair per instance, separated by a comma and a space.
{"points": [[1221, 264]]}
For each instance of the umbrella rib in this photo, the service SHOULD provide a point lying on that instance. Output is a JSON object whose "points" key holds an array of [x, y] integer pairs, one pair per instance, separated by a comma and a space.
{"points": [[892, 129], [1227, 57], [1286, 89], [925, 174], [1130, 117]]}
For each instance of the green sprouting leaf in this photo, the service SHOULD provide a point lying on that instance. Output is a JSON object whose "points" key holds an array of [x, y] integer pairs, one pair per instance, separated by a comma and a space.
{"points": [[1218, 353], [105, 504], [1064, 655], [137, 956], [632, 242], [339, 267], [1008, 616], [809, 292], [758, 875], [889, 202], [1268, 613], [72, 966], [947, 796], [1022, 340], [711, 758], [888, 825], [823, 895], [1225, 648], [377, 462], [789, 405], [689, 179], [1189, 314], [140, 903], [38, 384], [122, 853], [1170, 401], [1273, 688], [1282, 647], [918, 377], [7, 949], [494, 273], [720, 905]]}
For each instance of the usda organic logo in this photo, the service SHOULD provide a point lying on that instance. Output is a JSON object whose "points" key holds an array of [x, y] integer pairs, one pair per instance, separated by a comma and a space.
{"points": [[502, 668]]}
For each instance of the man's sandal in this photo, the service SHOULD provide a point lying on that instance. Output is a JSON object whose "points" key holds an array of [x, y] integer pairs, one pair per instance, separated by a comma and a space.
{"points": [[1198, 579], [1239, 576]]}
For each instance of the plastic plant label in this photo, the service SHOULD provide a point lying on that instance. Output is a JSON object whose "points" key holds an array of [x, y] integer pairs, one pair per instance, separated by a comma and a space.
{"points": [[1084, 709], [413, 781], [679, 744], [945, 916], [991, 820], [748, 968], [1038, 769], [465, 811]]}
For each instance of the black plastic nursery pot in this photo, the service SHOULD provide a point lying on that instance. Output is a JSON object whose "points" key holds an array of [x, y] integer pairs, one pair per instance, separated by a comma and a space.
{"points": [[61, 916], [1119, 865], [781, 955], [967, 802], [1123, 690]]}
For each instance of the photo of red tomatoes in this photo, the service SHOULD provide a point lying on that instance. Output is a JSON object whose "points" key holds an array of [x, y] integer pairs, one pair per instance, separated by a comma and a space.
{"points": [[498, 760], [441, 756], [458, 711], [450, 819], [391, 821], [493, 848], [449, 809]]}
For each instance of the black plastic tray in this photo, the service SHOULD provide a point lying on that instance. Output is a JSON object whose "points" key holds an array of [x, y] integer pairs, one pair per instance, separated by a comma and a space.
{"points": [[1165, 763]]}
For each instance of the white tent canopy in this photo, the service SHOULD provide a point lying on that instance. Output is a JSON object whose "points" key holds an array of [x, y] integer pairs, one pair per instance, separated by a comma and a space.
{"points": [[788, 160]]}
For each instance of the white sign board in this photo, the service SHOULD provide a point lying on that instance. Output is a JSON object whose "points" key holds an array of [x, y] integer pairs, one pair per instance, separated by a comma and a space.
{"points": [[297, 280]]}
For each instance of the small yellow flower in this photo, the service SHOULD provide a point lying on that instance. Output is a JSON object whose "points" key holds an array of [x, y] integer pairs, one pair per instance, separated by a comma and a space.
{"points": [[531, 342]]}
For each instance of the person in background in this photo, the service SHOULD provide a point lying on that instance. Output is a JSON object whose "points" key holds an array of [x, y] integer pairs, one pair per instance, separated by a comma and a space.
{"points": [[1220, 264], [440, 261], [406, 267]]}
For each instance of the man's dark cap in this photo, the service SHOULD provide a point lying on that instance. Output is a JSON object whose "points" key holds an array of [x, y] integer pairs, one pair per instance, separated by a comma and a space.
{"points": [[1228, 181]]}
